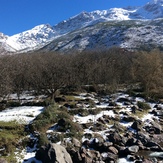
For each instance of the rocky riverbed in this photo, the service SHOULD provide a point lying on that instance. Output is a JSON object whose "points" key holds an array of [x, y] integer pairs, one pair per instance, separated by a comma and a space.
{"points": [[124, 129], [114, 128]]}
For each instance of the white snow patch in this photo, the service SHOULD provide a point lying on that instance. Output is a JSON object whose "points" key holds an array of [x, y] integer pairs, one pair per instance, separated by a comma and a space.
{"points": [[28, 157], [126, 124], [147, 117], [92, 118], [124, 160], [22, 114]]}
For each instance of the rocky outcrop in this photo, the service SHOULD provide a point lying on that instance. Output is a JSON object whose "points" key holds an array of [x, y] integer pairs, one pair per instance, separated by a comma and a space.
{"points": [[53, 153]]}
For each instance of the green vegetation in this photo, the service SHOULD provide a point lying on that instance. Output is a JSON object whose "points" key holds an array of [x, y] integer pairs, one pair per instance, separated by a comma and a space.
{"points": [[52, 115], [143, 105], [10, 135], [143, 109], [43, 140]]}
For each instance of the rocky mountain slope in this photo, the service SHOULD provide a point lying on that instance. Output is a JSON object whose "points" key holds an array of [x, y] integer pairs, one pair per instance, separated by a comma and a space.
{"points": [[130, 34], [124, 27]]}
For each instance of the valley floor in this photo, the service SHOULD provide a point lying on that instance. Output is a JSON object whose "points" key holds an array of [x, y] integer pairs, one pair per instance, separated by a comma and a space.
{"points": [[115, 128]]}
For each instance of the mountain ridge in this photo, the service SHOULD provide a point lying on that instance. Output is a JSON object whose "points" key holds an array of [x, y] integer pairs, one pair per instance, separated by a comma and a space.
{"points": [[42, 35]]}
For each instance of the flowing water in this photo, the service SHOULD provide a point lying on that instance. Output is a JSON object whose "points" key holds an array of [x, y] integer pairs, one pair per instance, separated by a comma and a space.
{"points": [[145, 154]]}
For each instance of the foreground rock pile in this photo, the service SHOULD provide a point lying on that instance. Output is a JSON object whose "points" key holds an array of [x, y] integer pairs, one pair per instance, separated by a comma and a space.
{"points": [[131, 132]]}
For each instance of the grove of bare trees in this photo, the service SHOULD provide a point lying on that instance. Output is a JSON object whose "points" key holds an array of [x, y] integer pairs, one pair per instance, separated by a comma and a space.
{"points": [[47, 72]]}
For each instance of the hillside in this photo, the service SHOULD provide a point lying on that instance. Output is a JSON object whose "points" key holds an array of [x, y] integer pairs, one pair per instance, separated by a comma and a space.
{"points": [[128, 34]]}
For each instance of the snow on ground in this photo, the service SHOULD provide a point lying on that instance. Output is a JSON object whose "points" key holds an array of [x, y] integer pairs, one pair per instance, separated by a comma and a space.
{"points": [[22, 114], [92, 118], [124, 160], [147, 117], [105, 105], [29, 158], [26, 96], [26, 114]]}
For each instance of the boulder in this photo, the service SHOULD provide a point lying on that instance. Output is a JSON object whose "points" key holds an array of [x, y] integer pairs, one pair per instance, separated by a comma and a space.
{"points": [[97, 143], [158, 138], [121, 151], [136, 125], [143, 137], [76, 142], [75, 155], [115, 138], [154, 146], [140, 144], [107, 144], [113, 150], [53, 153], [89, 156], [157, 127], [108, 157], [133, 149], [128, 119], [131, 141]]}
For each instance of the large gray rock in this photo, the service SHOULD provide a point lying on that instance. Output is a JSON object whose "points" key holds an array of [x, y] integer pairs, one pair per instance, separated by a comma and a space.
{"points": [[133, 149], [109, 157], [113, 150], [88, 156], [157, 127], [53, 153]]}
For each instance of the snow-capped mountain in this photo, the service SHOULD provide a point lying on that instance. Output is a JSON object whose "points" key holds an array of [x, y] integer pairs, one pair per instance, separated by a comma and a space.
{"points": [[87, 28], [30, 39], [130, 34]]}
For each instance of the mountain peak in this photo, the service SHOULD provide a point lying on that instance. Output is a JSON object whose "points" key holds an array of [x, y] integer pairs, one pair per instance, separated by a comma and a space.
{"points": [[156, 1]]}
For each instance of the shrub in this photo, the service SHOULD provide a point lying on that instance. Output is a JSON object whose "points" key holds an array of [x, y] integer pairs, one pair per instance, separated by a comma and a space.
{"points": [[10, 134], [143, 105], [43, 140], [48, 117], [13, 104], [80, 111], [56, 137], [94, 111]]}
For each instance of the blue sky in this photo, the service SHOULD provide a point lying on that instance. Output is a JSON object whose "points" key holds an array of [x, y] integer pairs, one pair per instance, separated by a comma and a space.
{"points": [[19, 15]]}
